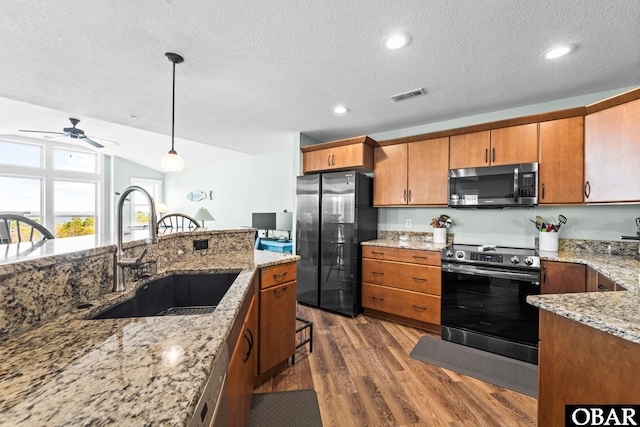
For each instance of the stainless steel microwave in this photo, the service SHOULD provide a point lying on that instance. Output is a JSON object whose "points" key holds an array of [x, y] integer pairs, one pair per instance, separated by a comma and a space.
{"points": [[494, 186]]}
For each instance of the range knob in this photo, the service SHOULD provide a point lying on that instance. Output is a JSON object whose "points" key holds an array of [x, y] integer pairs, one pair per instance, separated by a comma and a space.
{"points": [[459, 254], [528, 260], [449, 253], [515, 260]]}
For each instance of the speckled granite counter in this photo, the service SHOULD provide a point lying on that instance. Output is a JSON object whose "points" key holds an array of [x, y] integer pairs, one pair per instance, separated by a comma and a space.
{"points": [[408, 244], [617, 313], [408, 240], [142, 371]]}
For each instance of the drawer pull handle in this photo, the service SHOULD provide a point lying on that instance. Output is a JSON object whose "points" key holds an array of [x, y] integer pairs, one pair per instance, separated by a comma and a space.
{"points": [[419, 279], [419, 308], [377, 253], [279, 276], [379, 273], [377, 299], [420, 257], [602, 288], [277, 291]]}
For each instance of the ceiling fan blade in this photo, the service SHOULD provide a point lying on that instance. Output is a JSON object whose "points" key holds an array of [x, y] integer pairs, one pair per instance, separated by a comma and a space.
{"points": [[42, 131], [91, 142], [104, 142]]}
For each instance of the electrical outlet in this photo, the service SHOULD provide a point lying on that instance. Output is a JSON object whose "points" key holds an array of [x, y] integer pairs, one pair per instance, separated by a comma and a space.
{"points": [[407, 223], [199, 245]]}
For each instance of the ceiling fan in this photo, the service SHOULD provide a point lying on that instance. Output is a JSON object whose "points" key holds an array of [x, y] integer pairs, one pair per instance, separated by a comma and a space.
{"points": [[74, 133]]}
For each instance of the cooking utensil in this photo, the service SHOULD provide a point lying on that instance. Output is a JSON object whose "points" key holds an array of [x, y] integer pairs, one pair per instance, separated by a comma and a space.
{"points": [[563, 220], [539, 222]]}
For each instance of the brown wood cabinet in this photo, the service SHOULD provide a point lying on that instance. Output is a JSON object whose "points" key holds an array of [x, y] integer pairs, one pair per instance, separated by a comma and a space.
{"points": [[562, 277], [402, 285], [597, 282], [354, 153], [504, 146], [277, 315], [242, 368], [612, 154], [561, 165], [579, 365], [411, 174]]}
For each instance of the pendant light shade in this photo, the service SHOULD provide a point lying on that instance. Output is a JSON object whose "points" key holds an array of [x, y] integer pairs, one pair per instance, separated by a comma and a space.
{"points": [[172, 162]]}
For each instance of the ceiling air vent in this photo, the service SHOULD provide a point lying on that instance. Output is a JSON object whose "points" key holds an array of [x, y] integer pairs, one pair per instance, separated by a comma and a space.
{"points": [[409, 95]]}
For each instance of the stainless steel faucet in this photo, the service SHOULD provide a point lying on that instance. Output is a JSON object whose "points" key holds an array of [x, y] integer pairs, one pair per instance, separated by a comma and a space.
{"points": [[119, 261]]}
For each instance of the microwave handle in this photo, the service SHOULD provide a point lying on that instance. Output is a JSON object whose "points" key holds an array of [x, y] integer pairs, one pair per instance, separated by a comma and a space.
{"points": [[515, 185]]}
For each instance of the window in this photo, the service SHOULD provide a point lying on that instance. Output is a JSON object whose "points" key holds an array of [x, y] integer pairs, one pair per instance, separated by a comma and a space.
{"points": [[139, 204], [19, 154], [57, 186], [75, 208], [72, 160]]}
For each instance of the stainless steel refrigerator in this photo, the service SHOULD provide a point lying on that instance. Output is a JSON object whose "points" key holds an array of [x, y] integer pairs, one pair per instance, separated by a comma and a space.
{"points": [[334, 214]]}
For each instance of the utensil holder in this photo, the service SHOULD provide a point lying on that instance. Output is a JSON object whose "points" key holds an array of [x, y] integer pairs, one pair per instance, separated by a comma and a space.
{"points": [[439, 235], [548, 241]]}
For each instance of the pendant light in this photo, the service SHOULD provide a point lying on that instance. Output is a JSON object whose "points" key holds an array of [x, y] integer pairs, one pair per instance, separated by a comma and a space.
{"points": [[172, 162]]}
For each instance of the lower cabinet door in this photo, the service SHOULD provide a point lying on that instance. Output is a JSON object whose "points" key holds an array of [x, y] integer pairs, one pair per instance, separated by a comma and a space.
{"points": [[237, 378], [277, 325], [413, 305]]}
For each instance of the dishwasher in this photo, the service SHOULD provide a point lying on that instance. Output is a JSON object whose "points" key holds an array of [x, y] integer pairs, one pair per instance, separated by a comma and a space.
{"points": [[212, 408]]}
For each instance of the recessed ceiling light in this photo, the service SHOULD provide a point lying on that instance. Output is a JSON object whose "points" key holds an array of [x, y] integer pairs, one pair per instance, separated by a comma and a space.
{"points": [[340, 109], [559, 51], [396, 40]]}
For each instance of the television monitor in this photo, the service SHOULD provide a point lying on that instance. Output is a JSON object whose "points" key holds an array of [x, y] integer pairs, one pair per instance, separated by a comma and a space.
{"points": [[263, 220]]}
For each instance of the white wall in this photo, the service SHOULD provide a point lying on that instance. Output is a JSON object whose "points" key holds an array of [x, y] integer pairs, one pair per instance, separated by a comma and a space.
{"points": [[251, 184]]}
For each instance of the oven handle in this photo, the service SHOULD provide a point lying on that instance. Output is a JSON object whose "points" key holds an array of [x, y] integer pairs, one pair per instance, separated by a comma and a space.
{"points": [[500, 274]]}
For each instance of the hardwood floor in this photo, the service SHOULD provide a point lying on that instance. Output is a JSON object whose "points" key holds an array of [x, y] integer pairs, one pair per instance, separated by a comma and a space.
{"points": [[363, 375]]}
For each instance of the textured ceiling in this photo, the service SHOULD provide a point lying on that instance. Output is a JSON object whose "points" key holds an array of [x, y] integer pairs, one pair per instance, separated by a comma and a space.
{"points": [[256, 72]]}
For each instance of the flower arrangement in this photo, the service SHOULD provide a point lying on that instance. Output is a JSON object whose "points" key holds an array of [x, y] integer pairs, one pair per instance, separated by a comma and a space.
{"points": [[443, 221]]}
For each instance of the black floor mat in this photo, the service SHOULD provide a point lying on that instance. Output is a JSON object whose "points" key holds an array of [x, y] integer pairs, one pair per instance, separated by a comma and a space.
{"points": [[297, 408], [502, 371]]}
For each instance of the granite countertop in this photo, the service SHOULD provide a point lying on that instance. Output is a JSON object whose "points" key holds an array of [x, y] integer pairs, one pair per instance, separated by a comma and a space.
{"points": [[140, 371], [421, 245], [617, 313]]}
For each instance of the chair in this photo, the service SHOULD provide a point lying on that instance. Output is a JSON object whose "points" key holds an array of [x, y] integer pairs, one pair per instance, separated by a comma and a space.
{"points": [[177, 222], [14, 227]]}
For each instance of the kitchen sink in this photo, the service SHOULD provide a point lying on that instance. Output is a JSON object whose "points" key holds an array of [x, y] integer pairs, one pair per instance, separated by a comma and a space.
{"points": [[178, 294]]}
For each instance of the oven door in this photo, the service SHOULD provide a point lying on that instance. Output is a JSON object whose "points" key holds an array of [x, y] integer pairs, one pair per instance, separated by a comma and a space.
{"points": [[486, 308]]}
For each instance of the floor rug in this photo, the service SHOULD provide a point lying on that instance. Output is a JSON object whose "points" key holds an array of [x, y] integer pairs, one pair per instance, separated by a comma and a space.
{"points": [[297, 408], [502, 371]]}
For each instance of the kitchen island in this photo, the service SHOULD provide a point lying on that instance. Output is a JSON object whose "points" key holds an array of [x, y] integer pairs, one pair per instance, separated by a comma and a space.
{"points": [[70, 370], [589, 349]]}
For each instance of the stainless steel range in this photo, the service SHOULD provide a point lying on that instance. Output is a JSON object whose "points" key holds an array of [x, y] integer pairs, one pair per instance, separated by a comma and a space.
{"points": [[484, 289]]}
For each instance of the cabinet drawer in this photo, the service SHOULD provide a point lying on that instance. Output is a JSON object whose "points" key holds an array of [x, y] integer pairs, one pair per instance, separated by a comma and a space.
{"points": [[418, 278], [402, 255], [412, 305], [277, 275]]}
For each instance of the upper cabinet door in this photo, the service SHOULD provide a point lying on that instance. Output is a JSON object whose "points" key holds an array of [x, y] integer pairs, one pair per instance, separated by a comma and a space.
{"points": [[353, 153], [428, 172], [317, 160], [515, 144], [612, 154], [390, 175], [470, 150], [561, 161]]}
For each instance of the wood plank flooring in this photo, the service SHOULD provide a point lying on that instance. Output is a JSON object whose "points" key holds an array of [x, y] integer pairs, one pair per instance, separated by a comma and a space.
{"points": [[363, 375]]}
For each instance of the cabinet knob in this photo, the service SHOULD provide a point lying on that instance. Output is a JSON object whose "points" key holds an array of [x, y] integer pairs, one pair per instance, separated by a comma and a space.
{"points": [[493, 155], [587, 189], [486, 155], [542, 190]]}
